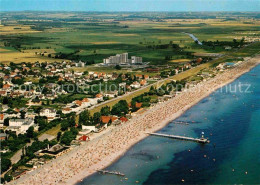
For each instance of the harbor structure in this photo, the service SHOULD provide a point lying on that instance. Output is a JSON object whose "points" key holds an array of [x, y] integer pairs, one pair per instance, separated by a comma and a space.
{"points": [[199, 140]]}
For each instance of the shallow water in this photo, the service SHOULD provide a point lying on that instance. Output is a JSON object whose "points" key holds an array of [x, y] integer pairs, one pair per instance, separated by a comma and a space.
{"points": [[231, 120]]}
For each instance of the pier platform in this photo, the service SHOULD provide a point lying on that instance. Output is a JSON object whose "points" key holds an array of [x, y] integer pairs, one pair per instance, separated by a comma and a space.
{"points": [[199, 140], [110, 172]]}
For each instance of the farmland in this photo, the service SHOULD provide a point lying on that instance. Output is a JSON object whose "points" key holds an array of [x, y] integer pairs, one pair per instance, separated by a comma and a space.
{"points": [[94, 36]]}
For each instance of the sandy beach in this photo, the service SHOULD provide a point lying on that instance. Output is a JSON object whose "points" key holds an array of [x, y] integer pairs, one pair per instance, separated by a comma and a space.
{"points": [[84, 160]]}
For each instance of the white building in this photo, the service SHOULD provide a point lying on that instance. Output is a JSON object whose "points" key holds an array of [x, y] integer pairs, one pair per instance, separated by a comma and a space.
{"points": [[78, 73], [91, 128], [135, 85], [99, 97], [49, 113], [86, 102], [122, 59], [20, 125], [66, 110], [135, 60], [80, 64], [30, 115], [111, 94]]}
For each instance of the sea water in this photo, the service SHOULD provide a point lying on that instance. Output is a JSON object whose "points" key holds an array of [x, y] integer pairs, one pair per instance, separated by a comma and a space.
{"points": [[229, 117]]}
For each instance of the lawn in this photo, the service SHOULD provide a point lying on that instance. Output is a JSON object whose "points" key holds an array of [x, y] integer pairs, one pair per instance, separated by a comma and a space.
{"points": [[54, 131]]}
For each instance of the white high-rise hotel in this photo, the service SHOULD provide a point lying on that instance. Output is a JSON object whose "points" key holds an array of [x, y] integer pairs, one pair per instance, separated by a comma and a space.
{"points": [[122, 59]]}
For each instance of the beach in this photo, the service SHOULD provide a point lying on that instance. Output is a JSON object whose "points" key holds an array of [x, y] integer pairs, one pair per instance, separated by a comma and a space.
{"points": [[101, 152]]}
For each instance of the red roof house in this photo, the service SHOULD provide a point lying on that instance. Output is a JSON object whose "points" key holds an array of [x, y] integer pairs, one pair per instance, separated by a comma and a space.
{"points": [[123, 119]]}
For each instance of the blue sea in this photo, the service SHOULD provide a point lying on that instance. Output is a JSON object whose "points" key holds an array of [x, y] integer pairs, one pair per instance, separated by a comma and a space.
{"points": [[229, 117]]}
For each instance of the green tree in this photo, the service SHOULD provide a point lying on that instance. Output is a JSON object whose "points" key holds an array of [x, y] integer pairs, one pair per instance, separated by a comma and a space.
{"points": [[30, 132], [5, 164], [42, 122], [8, 178], [22, 114], [74, 131], [67, 137], [121, 108], [152, 90], [5, 101], [58, 136], [96, 117], [85, 73], [172, 73], [118, 67], [105, 111], [133, 105], [18, 81], [64, 125], [160, 92], [6, 122], [84, 117]]}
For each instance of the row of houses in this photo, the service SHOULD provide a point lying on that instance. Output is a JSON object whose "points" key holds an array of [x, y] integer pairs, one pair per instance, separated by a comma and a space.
{"points": [[80, 105]]}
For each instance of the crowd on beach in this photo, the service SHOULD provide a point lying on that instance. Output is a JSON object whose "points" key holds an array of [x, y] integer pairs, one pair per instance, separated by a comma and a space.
{"points": [[96, 154]]}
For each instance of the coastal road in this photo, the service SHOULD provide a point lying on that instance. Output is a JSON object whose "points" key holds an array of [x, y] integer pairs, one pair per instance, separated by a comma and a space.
{"points": [[128, 96]]}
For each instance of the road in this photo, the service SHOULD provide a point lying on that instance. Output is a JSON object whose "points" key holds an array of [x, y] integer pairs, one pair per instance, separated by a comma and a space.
{"points": [[128, 94], [17, 156]]}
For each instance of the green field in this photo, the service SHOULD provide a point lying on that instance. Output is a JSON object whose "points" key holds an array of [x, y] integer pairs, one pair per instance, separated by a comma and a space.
{"points": [[92, 37]]}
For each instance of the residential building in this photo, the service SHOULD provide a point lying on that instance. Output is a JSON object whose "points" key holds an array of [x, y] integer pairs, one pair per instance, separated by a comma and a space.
{"points": [[3, 136], [50, 113], [107, 119], [2, 117], [91, 128], [30, 115], [86, 102], [99, 97], [111, 94], [135, 85], [80, 64], [20, 125], [66, 110], [143, 82]]}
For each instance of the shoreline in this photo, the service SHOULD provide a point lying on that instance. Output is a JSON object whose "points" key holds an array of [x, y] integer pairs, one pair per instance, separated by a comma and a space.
{"points": [[105, 150], [166, 122]]}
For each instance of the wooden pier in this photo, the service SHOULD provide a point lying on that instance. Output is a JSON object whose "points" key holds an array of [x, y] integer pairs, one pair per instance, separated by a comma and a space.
{"points": [[181, 122], [199, 140], [111, 172]]}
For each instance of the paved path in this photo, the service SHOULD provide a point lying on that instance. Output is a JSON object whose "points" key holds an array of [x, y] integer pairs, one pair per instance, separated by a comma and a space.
{"points": [[17, 156]]}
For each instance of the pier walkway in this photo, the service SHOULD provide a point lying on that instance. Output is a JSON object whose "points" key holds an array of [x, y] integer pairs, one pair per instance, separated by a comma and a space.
{"points": [[199, 140], [111, 172]]}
